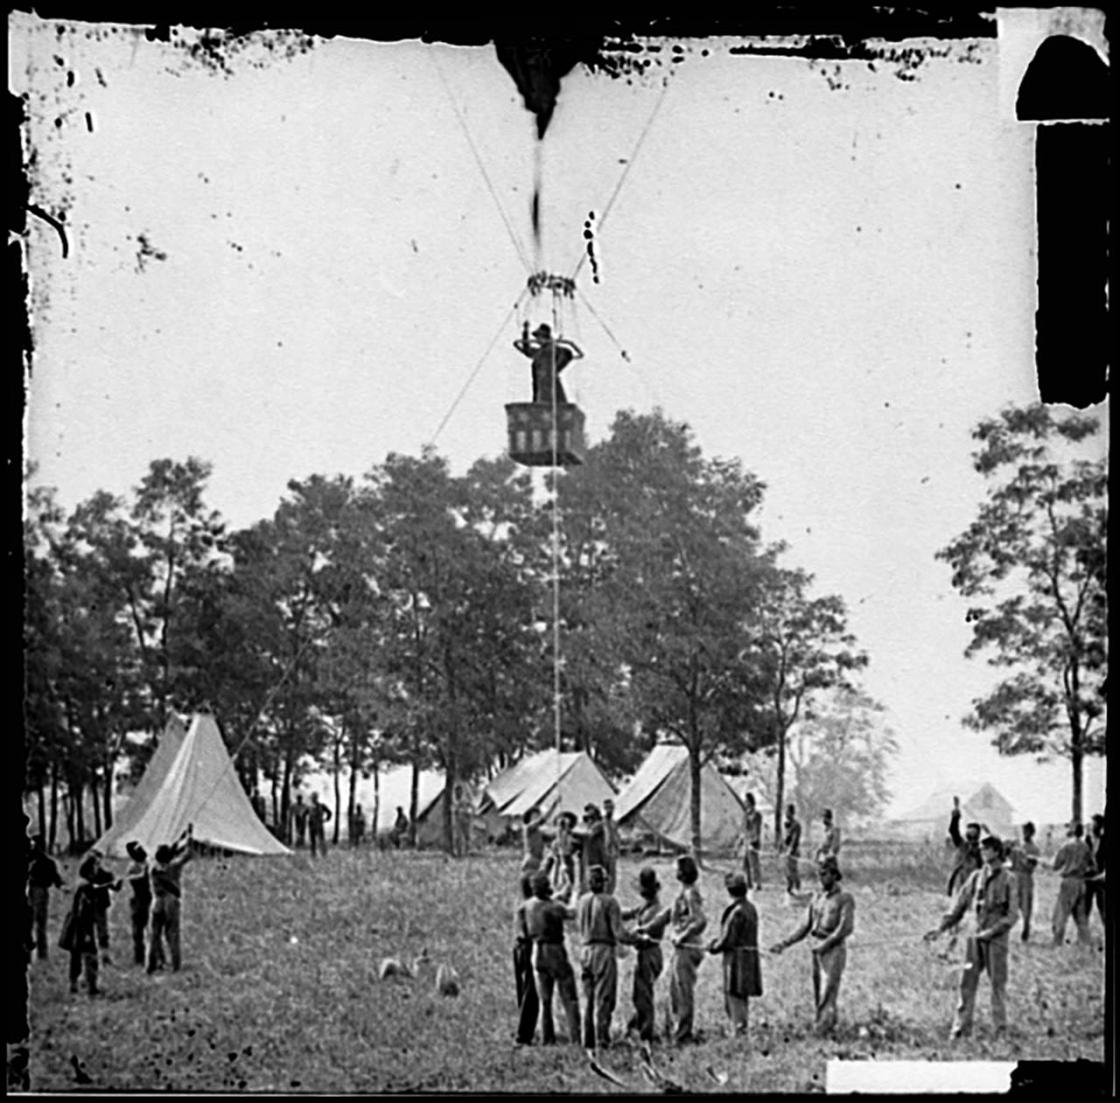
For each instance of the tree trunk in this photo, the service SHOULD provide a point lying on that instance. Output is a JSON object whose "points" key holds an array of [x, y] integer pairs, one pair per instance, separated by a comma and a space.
{"points": [[779, 784], [94, 796], [694, 796], [42, 798], [79, 816], [376, 803], [286, 796], [337, 791], [413, 802], [52, 836], [450, 779], [108, 797], [1076, 759], [351, 800], [275, 784]]}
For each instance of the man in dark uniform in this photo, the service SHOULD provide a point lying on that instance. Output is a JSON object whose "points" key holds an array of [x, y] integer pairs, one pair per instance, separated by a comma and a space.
{"points": [[166, 877], [317, 816], [42, 876], [140, 905], [791, 847], [738, 944], [544, 920], [599, 919], [752, 843], [547, 354], [651, 920], [103, 883]]}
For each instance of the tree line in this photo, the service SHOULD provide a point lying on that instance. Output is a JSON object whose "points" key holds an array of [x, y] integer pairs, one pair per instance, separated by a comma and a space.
{"points": [[407, 617]]}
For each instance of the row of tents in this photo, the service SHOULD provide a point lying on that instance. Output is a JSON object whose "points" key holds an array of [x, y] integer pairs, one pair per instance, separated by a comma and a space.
{"points": [[191, 779]]}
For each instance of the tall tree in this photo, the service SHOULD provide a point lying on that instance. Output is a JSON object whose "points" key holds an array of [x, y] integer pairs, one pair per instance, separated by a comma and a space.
{"points": [[680, 575], [840, 756], [1033, 564], [804, 647]]}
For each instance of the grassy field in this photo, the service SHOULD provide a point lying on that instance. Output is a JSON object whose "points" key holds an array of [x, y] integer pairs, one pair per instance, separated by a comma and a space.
{"points": [[279, 989]]}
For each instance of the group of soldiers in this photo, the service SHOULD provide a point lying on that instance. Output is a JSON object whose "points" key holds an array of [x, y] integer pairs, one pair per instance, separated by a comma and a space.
{"points": [[581, 866], [571, 877], [154, 907]]}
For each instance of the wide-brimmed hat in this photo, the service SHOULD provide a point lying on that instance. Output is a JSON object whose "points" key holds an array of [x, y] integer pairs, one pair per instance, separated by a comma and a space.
{"points": [[591, 812], [598, 874], [543, 330], [164, 853], [135, 851], [647, 880], [88, 868], [542, 886]]}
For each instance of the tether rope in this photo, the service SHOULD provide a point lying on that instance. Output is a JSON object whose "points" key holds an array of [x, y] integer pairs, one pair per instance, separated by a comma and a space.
{"points": [[478, 367], [516, 241], [555, 540]]}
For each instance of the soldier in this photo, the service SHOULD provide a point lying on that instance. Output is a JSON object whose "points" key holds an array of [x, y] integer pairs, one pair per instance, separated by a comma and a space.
{"points": [[544, 920], [988, 898], [528, 1006], [399, 832], [599, 920], [752, 843], [613, 844], [738, 943], [1094, 886], [791, 847], [1024, 859], [830, 844], [298, 818], [358, 826], [79, 932], [686, 915], [533, 841], [593, 851], [550, 356], [652, 920], [560, 864], [140, 903], [967, 848], [1074, 864], [830, 919], [462, 812], [317, 817], [166, 877], [103, 883], [42, 876]]}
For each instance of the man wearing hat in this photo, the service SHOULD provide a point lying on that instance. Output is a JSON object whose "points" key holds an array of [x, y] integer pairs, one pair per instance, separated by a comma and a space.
{"points": [[166, 875], [613, 845], [544, 922], [791, 847], [988, 899], [830, 919], [652, 920], [752, 842], [550, 356], [79, 931], [140, 903], [599, 921], [594, 844], [738, 943]]}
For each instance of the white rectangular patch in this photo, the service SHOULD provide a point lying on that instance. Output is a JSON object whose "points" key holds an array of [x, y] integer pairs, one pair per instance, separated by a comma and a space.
{"points": [[918, 1077]]}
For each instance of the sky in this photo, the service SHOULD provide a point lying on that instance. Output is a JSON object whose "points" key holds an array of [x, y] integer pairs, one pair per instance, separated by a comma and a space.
{"points": [[298, 267]]}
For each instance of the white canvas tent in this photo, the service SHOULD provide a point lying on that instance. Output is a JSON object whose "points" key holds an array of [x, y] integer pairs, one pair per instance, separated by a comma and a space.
{"points": [[930, 819], [190, 780], [657, 802], [553, 781]]}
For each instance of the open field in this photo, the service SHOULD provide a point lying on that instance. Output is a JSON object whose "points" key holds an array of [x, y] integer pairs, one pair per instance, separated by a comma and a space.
{"points": [[279, 989]]}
